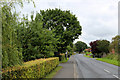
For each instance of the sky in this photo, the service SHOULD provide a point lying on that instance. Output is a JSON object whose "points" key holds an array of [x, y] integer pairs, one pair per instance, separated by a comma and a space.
{"points": [[98, 18]]}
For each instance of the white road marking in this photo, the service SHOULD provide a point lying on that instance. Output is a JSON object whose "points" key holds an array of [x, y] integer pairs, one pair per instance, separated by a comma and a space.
{"points": [[107, 71], [116, 76], [113, 75]]}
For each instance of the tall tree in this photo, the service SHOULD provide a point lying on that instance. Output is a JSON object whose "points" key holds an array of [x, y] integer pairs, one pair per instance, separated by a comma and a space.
{"points": [[115, 44], [80, 46], [11, 47], [65, 25], [103, 46], [94, 47], [36, 41], [99, 47], [11, 50]]}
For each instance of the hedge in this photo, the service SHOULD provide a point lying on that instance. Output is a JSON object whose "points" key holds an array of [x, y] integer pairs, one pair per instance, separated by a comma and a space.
{"points": [[33, 69]]}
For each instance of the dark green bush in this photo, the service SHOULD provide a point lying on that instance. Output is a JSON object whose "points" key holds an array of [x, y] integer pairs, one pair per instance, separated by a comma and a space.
{"points": [[61, 57]]}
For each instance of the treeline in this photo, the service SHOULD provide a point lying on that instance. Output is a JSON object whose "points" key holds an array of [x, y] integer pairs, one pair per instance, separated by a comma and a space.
{"points": [[50, 31], [104, 47], [80, 46], [99, 47]]}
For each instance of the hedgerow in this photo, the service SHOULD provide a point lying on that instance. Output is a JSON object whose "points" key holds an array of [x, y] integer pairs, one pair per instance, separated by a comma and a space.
{"points": [[33, 69]]}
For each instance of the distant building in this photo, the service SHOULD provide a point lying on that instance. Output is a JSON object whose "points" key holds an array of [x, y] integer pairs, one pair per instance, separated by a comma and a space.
{"points": [[88, 50], [113, 51]]}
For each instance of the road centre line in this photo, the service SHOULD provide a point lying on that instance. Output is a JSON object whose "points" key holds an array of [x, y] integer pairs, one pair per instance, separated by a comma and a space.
{"points": [[107, 71], [116, 76]]}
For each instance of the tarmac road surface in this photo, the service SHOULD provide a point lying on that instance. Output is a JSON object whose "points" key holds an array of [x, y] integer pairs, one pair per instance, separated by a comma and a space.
{"points": [[91, 68]]}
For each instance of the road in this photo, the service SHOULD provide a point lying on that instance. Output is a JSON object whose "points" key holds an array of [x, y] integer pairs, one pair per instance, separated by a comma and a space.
{"points": [[91, 68]]}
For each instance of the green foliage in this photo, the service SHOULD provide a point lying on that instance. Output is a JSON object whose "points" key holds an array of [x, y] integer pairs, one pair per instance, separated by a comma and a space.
{"points": [[64, 24], [115, 44], [38, 69], [11, 49], [51, 31], [61, 57], [37, 42], [74, 47], [112, 56], [64, 61], [99, 47], [88, 56], [88, 53], [103, 46], [70, 50], [115, 62], [80, 46]]}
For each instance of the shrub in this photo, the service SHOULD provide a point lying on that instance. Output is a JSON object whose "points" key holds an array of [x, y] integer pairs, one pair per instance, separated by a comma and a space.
{"points": [[73, 53], [112, 56], [61, 57], [33, 69]]}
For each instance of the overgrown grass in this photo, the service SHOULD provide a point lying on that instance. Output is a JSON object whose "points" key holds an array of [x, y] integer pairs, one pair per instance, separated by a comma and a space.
{"points": [[111, 58], [114, 62], [53, 73], [64, 61]]}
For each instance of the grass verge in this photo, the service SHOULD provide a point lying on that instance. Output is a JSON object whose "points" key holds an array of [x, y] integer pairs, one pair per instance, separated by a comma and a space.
{"points": [[64, 61], [88, 56], [52, 74], [114, 62]]}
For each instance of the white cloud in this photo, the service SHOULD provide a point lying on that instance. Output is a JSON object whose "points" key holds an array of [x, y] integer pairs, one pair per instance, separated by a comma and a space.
{"points": [[98, 18]]}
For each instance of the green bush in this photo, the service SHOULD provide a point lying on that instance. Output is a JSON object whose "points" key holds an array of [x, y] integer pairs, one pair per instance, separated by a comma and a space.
{"points": [[61, 57], [11, 47], [32, 69], [112, 56]]}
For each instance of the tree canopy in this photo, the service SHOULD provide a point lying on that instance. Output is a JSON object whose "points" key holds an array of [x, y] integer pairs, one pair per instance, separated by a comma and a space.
{"points": [[80, 46], [11, 48], [36, 41], [64, 24], [103, 46], [115, 44], [99, 47], [52, 30]]}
